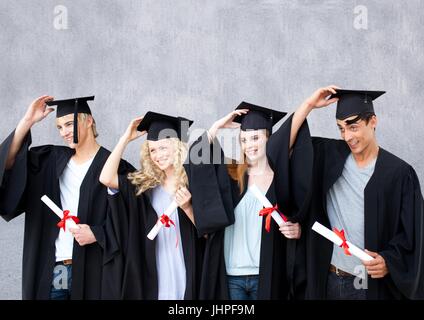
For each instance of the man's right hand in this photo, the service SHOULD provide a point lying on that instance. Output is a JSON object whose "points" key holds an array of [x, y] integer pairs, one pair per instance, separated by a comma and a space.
{"points": [[320, 99], [38, 110]]}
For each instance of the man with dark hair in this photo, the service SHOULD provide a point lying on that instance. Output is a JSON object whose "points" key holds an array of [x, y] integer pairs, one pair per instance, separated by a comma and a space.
{"points": [[367, 196]]}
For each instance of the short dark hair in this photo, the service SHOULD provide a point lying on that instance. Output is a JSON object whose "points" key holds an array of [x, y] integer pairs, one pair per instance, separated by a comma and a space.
{"points": [[366, 116]]}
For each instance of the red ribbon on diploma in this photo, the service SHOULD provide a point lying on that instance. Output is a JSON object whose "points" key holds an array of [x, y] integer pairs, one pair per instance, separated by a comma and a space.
{"points": [[344, 245], [66, 216], [266, 212], [167, 221]]}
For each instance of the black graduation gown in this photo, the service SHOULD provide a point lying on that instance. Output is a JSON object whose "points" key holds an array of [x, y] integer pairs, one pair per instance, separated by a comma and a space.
{"points": [[130, 266], [36, 173], [211, 200], [277, 255], [394, 222]]}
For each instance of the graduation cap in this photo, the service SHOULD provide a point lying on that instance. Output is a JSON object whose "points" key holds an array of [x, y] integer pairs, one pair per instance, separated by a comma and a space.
{"points": [[72, 106], [354, 102], [161, 126], [258, 117]]}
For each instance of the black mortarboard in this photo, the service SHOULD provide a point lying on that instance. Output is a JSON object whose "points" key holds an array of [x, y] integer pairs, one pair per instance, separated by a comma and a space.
{"points": [[258, 117], [72, 106], [160, 126], [354, 102]]}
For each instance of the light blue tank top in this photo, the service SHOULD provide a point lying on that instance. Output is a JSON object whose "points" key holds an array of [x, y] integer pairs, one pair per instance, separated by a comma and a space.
{"points": [[242, 241]]}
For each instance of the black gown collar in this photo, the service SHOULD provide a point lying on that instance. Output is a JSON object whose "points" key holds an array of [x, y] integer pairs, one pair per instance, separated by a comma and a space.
{"points": [[64, 154], [270, 193]]}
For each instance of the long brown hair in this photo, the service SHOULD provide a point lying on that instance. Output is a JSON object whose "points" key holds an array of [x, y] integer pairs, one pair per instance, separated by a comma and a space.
{"points": [[237, 172]]}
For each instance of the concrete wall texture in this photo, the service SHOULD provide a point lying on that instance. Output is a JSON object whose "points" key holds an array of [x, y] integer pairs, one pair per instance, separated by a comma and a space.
{"points": [[199, 59]]}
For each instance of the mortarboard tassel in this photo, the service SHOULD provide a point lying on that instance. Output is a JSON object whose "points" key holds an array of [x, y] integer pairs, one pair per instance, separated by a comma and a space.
{"points": [[76, 122]]}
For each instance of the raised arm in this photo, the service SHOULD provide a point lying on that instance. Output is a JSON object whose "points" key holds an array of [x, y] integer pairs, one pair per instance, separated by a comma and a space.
{"points": [[36, 112], [109, 174], [317, 100], [225, 122]]}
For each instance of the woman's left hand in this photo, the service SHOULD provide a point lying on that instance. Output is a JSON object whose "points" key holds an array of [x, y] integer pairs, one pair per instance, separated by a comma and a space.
{"points": [[183, 198]]}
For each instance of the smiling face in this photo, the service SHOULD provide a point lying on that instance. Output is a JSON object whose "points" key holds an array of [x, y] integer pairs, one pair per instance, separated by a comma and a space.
{"points": [[162, 153], [253, 144], [359, 135], [65, 125]]}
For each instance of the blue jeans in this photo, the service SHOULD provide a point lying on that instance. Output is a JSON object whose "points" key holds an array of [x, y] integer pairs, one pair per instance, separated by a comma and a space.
{"points": [[62, 281], [243, 287], [342, 288]]}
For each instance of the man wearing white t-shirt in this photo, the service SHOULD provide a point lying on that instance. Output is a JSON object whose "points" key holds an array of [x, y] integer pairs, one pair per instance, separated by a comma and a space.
{"points": [[54, 265]]}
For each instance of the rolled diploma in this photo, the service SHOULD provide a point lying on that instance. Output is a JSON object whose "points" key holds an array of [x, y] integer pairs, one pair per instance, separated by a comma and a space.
{"points": [[69, 222], [155, 230], [330, 235], [265, 202]]}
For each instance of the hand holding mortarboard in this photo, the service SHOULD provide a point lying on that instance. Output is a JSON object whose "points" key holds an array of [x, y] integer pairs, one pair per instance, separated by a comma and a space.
{"points": [[162, 126], [38, 110], [320, 98], [132, 133], [355, 102], [226, 122], [258, 117]]}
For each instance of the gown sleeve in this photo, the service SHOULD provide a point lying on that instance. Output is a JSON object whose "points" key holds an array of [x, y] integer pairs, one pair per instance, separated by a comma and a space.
{"points": [[116, 238], [99, 231], [405, 252], [14, 181], [117, 221], [210, 186], [292, 178]]}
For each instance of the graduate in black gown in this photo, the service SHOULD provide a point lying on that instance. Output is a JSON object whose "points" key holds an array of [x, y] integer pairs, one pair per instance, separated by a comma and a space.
{"points": [[69, 176], [169, 266], [371, 195], [248, 258]]}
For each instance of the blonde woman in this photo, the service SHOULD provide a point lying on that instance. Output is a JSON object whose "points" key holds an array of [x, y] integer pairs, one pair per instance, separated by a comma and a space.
{"points": [[166, 267]]}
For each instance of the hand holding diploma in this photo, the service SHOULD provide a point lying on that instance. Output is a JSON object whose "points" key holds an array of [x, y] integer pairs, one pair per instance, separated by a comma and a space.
{"points": [[377, 267], [66, 219], [164, 220], [269, 210], [338, 238], [291, 230]]}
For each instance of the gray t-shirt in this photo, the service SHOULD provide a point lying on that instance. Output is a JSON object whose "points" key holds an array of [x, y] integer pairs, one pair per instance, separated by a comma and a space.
{"points": [[345, 208]]}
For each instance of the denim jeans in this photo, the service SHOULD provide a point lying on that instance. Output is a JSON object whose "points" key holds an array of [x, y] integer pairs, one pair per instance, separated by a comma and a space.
{"points": [[243, 287], [342, 288], [62, 281]]}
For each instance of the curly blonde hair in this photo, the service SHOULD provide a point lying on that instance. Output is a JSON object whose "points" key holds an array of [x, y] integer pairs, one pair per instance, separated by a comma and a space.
{"points": [[150, 176]]}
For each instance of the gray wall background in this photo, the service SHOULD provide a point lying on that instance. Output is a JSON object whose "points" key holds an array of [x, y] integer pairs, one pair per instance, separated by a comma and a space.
{"points": [[199, 59]]}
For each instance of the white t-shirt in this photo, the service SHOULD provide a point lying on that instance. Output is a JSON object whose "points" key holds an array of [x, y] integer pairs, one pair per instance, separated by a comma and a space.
{"points": [[70, 182]]}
